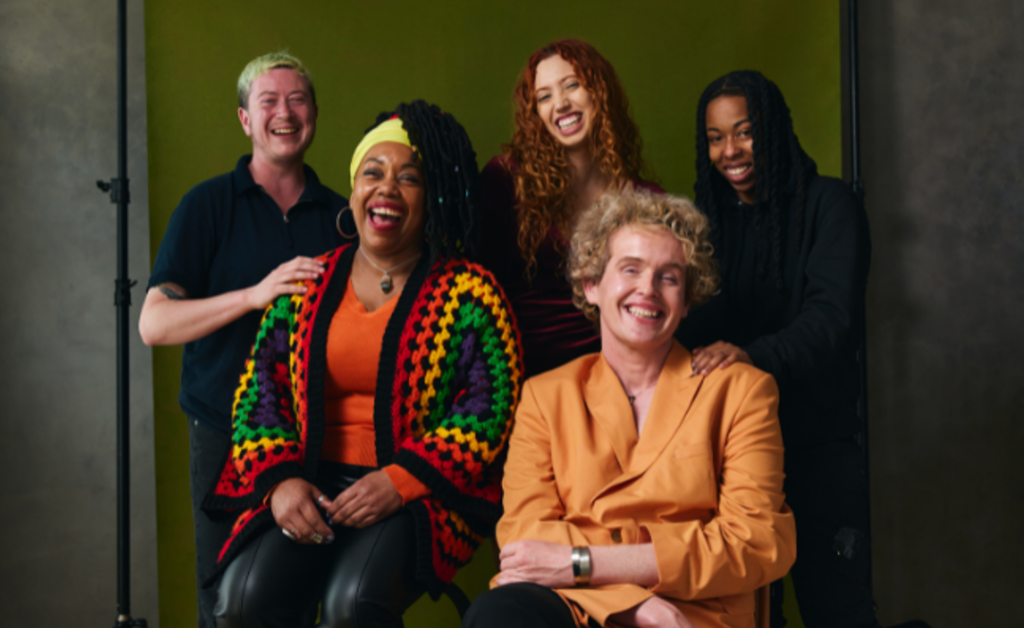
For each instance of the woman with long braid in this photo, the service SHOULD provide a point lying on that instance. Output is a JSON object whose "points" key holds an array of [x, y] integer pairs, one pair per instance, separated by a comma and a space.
{"points": [[574, 140], [794, 250], [371, 420]]}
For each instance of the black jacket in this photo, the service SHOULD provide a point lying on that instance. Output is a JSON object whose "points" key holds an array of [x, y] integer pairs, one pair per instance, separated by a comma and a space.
{"points": [[807, 334]]}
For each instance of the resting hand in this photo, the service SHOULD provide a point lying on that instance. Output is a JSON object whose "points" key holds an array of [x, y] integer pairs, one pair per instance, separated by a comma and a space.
{"points": [[653, 612], [372, 498], [293, 503], [282, 280], [540, 562], [720, 354]]}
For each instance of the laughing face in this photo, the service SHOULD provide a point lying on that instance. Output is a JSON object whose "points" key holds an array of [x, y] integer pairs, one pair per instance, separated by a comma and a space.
{"points": [[387, 202], [642, 294], [731, 144], [280, 117], [563, 104]]}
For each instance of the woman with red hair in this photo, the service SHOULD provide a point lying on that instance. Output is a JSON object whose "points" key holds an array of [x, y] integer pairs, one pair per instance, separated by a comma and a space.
{"points": [[574, 140]]}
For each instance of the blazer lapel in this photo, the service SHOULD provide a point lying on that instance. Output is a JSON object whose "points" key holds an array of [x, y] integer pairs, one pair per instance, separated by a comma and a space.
{"points": [[677, 386], [673, 397], [607, 402]]}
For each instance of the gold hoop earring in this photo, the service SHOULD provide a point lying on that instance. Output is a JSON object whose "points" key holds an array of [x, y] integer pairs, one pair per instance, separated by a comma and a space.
{"points": [[337, 223]]}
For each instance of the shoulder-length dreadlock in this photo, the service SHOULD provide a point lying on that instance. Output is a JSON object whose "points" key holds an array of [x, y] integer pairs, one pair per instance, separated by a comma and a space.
{"points": [[782, 167], [451, 179], [543, 177]]}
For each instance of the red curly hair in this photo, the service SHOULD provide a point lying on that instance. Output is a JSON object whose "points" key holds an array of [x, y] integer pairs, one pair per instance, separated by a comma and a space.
{"points": [[543, 177]]}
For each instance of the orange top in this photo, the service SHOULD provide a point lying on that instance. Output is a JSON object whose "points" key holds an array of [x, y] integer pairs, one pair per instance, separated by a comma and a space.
{"points": [[353, 354]]}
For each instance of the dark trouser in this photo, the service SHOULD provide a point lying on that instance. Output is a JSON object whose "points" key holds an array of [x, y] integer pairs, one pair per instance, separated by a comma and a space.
{"points": [[208, 449], [827, 489], [365, 578], [520, 604]]}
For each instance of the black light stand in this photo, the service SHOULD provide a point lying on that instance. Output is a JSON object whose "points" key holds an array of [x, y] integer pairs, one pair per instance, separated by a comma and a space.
{"points": [[857, 184], [858, 188], [855, 181], [118, 189]]}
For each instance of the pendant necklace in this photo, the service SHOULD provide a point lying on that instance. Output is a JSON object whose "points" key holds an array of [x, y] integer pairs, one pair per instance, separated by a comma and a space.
{"points": [[632, 398], [385, 282]]}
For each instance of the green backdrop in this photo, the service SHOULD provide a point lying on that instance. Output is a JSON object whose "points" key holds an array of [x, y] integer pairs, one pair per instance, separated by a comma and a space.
{"points": [[465, 56]]}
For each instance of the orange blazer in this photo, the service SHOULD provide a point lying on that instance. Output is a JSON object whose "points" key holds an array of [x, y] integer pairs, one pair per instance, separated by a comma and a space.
{"points": [[703, 482]]}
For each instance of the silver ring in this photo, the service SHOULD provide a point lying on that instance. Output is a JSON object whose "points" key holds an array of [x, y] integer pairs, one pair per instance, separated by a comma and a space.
{"points": [[317, 538], [291, 535], [320, 500]]}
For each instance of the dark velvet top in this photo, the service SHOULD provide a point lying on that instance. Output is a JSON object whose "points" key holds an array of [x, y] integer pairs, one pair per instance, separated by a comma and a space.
{"points": [[553, 330]]}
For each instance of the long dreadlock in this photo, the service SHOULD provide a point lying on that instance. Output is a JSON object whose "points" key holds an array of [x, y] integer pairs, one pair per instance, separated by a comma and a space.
{"points": [[451, 178], [782, 167]]}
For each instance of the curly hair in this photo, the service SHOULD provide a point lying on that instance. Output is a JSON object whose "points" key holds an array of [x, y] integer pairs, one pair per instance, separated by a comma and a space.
{"points": [[543, 177], [452, 180], [589, 253], [782, 167]]}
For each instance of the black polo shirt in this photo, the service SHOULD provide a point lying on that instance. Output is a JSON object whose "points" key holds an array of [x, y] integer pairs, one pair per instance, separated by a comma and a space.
{"points": [[226, 234]]}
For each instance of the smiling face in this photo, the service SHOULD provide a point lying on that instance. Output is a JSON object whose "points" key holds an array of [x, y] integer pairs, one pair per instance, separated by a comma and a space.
{"points": [[642, 294], [281, 116], [387, 202], [563, 104], [731, 143]]}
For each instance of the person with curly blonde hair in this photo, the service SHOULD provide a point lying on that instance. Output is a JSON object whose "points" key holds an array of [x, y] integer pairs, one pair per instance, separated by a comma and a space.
{"points": [[636, 491], [643, 210], [574, 140]]}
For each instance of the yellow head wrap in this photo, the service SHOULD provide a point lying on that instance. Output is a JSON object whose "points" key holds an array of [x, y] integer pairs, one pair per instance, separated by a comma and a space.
{"points": [[387, 131]]}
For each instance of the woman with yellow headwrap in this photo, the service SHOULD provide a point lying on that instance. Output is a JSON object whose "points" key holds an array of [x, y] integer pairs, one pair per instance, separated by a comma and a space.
{"points": [[376, 402]]}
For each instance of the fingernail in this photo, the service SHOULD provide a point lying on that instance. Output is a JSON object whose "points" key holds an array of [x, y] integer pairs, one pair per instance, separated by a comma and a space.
{"points": [[330, 538]]}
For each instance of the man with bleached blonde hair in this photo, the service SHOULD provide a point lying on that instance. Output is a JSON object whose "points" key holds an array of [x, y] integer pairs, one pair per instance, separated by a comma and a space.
{"points": [[234, 244]]}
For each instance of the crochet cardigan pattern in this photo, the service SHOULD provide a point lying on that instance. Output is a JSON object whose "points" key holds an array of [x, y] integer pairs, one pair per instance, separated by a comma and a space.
{"points": [[447, 387]]}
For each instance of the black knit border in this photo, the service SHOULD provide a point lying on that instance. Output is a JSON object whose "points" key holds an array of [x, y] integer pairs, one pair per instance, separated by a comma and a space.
{"points": [[383, 422], [258, 525], [425, 572], [220, 506], [316, 369]]}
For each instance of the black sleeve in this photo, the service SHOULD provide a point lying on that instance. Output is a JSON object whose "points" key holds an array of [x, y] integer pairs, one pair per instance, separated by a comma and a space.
{"points": [[835, 278], [189, 245]]}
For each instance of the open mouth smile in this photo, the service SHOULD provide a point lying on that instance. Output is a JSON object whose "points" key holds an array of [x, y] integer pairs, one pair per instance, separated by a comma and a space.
{"points": [[285, 131], [384, 216], [644, 313], [569, 124], [740, 173]]}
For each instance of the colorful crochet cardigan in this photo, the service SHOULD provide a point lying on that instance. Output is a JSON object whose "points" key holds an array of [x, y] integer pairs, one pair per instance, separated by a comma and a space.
{"points": [[447, 388]]}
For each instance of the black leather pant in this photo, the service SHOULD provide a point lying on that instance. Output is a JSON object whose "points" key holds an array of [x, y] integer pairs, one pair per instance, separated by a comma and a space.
{"points": [[365, 578]]}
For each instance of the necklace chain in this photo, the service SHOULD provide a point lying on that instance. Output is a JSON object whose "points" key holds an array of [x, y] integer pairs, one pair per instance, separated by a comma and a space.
{"points": [[385, 282], [632, 398]]}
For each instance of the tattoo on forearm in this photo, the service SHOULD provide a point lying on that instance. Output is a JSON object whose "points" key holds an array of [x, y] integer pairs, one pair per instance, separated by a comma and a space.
{"points": [[171, 294]]}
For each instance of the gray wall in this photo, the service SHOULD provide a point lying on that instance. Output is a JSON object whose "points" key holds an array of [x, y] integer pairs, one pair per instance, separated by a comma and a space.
{"points": [[58, 117], [943, 158]]}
